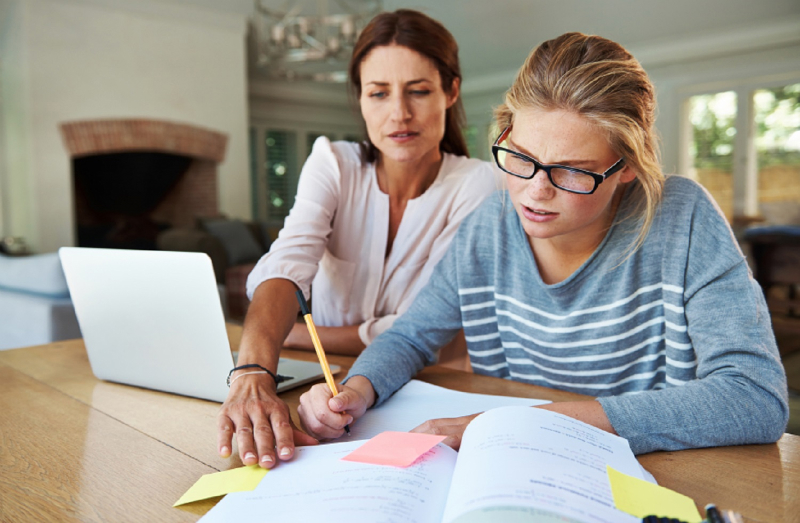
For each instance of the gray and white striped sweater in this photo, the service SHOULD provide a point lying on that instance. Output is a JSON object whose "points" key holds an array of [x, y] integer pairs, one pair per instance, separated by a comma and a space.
{"points": [[674, 340]]}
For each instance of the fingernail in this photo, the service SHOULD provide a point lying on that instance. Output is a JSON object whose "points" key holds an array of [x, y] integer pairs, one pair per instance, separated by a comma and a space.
{"points": [[249, 455], [224, 451], [266, 459], [285, 451], [337, 404], [349, 420]]}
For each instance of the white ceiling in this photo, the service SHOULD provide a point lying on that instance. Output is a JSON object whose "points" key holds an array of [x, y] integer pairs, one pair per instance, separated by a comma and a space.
{"points": [[495, 36]]}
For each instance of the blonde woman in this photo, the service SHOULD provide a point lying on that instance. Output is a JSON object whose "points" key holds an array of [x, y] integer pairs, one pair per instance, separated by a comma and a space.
{"points": [[593, 273]]}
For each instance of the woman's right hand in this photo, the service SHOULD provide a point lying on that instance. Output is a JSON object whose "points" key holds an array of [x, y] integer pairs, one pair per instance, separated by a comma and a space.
{"points": [[325, 416], [261, 421]]}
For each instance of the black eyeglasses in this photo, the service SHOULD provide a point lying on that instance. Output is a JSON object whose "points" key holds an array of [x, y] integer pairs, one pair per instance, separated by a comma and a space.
{"points": [[569, 179]]}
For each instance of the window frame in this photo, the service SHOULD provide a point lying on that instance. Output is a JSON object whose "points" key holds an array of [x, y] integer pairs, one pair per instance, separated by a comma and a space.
{"points": [[745, 155]]}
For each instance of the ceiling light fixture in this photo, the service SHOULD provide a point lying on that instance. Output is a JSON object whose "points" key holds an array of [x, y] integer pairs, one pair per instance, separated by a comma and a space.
{"points": [[291, 45]]}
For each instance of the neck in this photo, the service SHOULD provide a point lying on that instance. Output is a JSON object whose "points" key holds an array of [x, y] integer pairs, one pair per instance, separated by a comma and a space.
{"points": [[408, 180], [558, 258]]}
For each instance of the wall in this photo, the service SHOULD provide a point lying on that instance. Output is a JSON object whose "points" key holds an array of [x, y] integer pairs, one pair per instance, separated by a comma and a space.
{"points": [[78, 60], [681, 68], [277, 104], [14, 131]]}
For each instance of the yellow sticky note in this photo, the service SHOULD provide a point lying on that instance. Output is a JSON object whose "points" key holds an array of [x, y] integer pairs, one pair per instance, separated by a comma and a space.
{"points": [[221, 483], [641, 498]]}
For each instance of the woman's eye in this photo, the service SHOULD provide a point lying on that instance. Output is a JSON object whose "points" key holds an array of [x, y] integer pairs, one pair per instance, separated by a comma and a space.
{"points": [[421, 92], [379, 94]]}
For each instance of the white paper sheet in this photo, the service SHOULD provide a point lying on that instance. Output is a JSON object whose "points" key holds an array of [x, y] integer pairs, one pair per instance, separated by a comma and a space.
{"points": [[417, 402], [318, 486], [536, 461]]}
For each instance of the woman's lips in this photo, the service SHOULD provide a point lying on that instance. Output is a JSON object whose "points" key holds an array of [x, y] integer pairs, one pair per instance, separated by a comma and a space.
{"points": [[403, 136], [538, 215]]}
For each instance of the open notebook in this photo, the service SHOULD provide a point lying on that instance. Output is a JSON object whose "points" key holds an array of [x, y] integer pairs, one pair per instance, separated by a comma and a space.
{"points": [[516, 464], [154, 319]]}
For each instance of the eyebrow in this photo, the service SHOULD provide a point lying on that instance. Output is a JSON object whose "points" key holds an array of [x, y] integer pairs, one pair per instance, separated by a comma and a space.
{"points": [[580, 164], [411, 82]]}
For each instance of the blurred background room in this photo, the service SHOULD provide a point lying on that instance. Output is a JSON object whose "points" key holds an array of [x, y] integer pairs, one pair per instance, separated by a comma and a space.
{"points": [[183, 125]]}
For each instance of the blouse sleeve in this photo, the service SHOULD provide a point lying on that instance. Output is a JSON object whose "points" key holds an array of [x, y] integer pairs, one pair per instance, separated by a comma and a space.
{"points": [[295, 255]]}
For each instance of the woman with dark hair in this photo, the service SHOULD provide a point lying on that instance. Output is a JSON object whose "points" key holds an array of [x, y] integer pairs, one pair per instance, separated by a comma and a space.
{"points": [[369, 223]]}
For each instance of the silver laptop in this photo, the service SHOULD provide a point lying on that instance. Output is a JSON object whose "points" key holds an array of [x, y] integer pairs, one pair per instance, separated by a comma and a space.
{"points": [[154, 319]]}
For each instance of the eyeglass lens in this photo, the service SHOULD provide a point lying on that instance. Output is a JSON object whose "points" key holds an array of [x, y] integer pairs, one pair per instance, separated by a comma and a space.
{"points": [[564, 178]]}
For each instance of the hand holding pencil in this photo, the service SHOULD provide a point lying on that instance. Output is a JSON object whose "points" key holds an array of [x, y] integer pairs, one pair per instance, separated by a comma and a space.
{"points": [[323, 360]]}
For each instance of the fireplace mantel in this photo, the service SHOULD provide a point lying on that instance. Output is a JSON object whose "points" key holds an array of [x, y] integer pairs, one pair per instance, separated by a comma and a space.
{"points": [[87, 137]]}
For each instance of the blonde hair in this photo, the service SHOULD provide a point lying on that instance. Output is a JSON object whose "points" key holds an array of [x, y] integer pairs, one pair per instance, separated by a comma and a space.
{"points": [[599, 80]]}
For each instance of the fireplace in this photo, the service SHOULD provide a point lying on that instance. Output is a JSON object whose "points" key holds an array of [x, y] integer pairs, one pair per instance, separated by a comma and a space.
{"points": [[133, 179]]}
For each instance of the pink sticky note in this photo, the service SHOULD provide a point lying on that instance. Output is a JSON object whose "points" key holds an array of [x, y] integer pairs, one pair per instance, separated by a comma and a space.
{"points": [[398, 449]]}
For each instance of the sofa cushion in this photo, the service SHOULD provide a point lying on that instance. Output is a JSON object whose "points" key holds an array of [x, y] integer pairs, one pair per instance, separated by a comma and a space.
{"points": [[195, 240], [40, 274], [237, 240]]}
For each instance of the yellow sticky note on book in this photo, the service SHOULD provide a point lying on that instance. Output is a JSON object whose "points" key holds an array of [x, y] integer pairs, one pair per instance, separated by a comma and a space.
{"points": [[220, 483], [641, 498]]}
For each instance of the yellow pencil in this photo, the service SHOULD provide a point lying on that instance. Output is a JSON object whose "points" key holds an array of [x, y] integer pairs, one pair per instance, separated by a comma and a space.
{"points": [[323, 361]]}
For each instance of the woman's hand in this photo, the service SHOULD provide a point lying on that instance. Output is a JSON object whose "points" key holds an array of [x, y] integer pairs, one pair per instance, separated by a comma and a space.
{"points": [[260, 421], [325, 416], [453, 428]]}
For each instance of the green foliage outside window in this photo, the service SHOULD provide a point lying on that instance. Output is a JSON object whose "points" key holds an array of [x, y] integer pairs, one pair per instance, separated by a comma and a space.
{"points": [[777, 118], [713, 118]]}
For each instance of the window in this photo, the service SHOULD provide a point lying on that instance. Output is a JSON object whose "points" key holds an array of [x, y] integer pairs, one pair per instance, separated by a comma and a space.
{"points": [[743, 146], [777, 144], [281, 173], [713, 119]]}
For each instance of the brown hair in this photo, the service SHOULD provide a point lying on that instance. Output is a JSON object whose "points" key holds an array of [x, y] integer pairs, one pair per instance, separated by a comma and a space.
{"points": [[427, 37], [601, 81]]}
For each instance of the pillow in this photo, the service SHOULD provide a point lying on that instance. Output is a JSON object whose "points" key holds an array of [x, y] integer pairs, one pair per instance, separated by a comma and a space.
{"points": [[234, 235], [40, 274]]}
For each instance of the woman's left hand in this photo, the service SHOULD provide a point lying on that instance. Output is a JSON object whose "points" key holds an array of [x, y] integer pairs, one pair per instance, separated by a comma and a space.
{"points": [[453, 428]]}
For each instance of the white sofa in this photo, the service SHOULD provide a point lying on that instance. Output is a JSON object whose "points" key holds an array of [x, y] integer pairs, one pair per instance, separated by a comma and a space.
{"points": [[35, 307]]}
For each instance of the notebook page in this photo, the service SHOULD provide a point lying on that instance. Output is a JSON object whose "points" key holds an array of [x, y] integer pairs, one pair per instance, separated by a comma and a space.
{"points": [[318, 486], [417, 402], [516, 462]]}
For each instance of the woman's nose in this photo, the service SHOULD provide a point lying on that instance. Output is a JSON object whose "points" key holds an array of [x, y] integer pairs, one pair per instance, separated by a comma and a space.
{"points": [[400, 109], [539, 187]]}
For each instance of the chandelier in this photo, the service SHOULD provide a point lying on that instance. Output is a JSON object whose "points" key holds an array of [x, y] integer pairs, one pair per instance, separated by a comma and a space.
{"points": [[290, 44]]}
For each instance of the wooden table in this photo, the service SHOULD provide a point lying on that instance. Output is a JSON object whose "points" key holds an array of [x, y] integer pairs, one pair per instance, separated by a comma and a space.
{"points": [[73, 448]]}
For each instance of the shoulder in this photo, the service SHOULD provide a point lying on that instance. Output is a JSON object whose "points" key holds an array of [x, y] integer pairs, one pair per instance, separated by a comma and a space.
{"points": [[488, 218], [691, 226], [471, 179], [681, 192], [687, 202], [344, 154], [347, 152], [459, 168]]}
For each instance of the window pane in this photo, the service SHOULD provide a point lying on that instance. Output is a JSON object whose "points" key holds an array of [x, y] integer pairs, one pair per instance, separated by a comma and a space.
{"points": [[281, 173], [713, 132], [777, 119]]}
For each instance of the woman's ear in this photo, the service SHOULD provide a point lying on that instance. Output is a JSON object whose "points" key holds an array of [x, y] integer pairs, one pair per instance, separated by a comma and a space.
{"points": [[627, 174], [454, 92]]}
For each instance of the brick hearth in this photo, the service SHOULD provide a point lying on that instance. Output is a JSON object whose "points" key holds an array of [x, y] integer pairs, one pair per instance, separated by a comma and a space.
{"points": [[196, 193]]}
